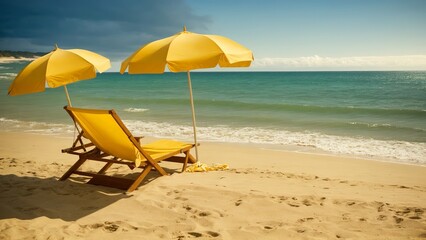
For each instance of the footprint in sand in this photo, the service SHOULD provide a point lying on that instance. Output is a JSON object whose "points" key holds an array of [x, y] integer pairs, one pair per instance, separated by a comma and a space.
{"points": [[293, 205], [238, 203], [302, 220], [187, 207], [181, 198], [398, 219], [270, 225], [307, 202], [213, 234], [198, 234], [282, 199], [172, 192], [345, 217], [380, 206], [195, 234], [111, 226], [196, 213], [412, 213], [204, 214]]}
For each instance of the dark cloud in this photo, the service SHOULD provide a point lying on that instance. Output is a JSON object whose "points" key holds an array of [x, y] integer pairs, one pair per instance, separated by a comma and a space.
{"points": [[110, 27]]}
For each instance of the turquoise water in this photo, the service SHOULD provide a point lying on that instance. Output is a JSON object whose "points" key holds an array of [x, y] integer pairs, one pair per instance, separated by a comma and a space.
{"points": [[373, 114]]}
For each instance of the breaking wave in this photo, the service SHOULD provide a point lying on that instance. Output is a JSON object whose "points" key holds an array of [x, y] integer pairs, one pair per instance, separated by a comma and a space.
{"points": [[135, 110], [388, 150]]}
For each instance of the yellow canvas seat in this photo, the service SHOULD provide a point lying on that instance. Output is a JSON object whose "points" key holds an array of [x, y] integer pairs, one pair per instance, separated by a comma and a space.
{"points": [[112, 142]]}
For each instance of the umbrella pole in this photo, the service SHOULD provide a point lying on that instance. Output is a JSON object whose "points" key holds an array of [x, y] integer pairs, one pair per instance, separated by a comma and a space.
{"points": [[193, 115], [68, 96], [75, 124]]}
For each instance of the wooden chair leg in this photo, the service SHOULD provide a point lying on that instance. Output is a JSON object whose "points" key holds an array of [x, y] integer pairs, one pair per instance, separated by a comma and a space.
{"points": [[158, 168], [192, 158], [105, 168], [73, 169], [140, 178], [185, 163]]}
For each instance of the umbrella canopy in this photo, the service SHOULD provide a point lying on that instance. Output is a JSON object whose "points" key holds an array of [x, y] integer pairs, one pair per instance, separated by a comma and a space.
{"points": [[187, 51], [58, 68]]}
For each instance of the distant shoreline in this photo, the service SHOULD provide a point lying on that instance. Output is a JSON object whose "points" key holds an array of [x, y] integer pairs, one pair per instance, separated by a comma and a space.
{"points": [[5, 59], [14, 59], [7, 56]]}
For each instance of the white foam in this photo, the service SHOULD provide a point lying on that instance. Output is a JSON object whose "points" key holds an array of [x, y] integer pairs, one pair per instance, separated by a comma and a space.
{"points": [[371, 125], [10, 74], [35, 127], [397, 151], [7, 75], [135, 110]]}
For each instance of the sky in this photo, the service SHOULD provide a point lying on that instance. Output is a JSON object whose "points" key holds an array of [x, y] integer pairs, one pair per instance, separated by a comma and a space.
{"points": [[304, 35]]}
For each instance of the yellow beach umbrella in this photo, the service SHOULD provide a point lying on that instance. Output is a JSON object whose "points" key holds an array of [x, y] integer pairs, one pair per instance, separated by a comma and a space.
{"points": [[58, 68], [187, 51]]}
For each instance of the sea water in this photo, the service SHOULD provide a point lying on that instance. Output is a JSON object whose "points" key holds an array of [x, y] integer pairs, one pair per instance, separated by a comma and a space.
{"points": [[379, 115]]}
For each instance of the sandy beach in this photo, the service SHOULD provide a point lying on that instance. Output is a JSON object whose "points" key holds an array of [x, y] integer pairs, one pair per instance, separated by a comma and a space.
{"points": [[310, 117], [266, 194]]}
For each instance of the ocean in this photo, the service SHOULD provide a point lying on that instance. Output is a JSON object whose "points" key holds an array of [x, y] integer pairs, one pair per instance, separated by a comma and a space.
{"points": [[377, 115]]}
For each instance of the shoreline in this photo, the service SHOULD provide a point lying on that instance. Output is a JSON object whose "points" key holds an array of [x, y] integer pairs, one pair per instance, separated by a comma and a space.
{"points": [[208, 148], [265, 194], [64, 131], [14, 59]]}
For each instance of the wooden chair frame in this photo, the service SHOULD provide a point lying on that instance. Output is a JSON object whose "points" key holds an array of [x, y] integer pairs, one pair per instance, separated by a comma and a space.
{"points": [[88, 151]]}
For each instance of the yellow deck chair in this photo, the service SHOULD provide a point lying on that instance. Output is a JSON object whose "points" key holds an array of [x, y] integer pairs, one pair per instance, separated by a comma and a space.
{"points": [[112, 143]]}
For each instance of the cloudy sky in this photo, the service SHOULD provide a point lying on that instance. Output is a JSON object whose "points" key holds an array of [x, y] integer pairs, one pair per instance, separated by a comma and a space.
{"points": [[283, 35]]}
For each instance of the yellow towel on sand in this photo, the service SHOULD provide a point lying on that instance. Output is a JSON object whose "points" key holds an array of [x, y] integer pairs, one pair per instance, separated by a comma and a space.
{"points": [[202, 167]]}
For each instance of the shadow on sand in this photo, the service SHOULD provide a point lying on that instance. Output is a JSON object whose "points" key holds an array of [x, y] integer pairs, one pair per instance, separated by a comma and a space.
{"points": [[27, 198]]}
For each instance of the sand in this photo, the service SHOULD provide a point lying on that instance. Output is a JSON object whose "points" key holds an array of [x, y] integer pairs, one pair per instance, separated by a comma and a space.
{"points": [[266, 194]]}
